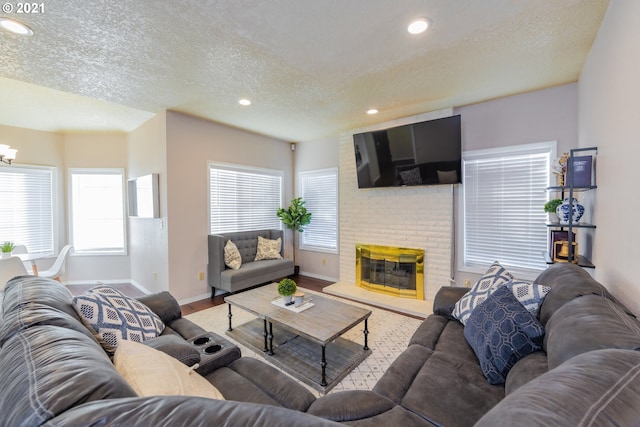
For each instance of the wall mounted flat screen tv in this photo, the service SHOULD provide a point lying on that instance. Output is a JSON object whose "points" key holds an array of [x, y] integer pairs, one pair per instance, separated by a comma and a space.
{"points": [[143, 196], [425, 153]]}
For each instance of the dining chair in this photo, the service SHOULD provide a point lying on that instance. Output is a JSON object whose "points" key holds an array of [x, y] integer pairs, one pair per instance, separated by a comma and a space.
{"points": [[10, 268], [58, 267], [20, 249]]}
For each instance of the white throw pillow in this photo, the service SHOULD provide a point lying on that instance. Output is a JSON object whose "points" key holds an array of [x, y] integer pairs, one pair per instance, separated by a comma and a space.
{"points": [[232, 257], [268, 249], [151, 372]]}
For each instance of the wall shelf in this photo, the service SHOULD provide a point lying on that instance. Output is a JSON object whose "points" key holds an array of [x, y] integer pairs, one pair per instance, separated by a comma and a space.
{"points": [[567, 191]]}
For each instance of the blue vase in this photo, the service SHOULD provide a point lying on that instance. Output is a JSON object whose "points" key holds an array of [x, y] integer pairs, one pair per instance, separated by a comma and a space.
{"points": [[563, 211]]}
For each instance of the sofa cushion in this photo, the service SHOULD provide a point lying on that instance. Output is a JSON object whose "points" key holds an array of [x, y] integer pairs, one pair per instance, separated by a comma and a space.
{"points": [[232, 257], [151, 372], [526, 369], [115, 317], [501, 332], [268, 249], [587, 323], [496, 275], [438, 386], [250, 380], [46, 370], [350, 405], [567, 282], [599, 388], [441, 334]]}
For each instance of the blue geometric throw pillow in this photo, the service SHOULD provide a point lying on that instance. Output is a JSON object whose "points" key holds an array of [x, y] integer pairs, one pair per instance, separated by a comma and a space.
{"points": [[501, 332], [529, 294], [113, 316], [492, 279]]}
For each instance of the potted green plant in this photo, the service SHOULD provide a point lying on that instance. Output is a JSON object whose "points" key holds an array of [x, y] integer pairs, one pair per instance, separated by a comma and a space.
{"points": [[287, 287], [550, 207], [295, 217], [6, 248]]}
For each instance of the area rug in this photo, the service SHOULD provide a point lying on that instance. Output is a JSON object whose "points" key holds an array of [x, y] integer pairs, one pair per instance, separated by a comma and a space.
{"points": [[389, 335]]}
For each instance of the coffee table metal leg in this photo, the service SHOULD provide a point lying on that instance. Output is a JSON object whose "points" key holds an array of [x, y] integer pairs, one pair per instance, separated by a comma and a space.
{"points": [[366, 333], [229, 316], [265, 334], [270, 339], [323, 364]]}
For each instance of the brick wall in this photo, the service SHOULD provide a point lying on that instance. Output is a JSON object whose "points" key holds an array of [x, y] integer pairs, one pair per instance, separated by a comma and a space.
{"points": [[416, 217]]}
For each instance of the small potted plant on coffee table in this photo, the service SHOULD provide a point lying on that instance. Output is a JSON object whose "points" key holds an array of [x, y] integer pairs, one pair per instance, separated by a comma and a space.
{"points": [[286, 288]]}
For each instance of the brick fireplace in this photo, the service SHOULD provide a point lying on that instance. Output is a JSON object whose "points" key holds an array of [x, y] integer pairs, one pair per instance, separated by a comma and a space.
{"points": [[412, 217], [390, 270]]}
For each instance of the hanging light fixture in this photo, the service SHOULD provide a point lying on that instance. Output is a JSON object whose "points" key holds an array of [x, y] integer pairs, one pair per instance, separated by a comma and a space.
{"points": [[7, 154]]}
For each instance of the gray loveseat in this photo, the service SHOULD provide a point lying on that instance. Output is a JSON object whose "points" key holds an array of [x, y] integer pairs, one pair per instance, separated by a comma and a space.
{"points": [[251, 272]]}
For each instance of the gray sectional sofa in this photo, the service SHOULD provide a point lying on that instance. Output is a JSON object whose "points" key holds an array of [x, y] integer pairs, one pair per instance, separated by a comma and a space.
{"points": [[54, 372], [251, 272]]}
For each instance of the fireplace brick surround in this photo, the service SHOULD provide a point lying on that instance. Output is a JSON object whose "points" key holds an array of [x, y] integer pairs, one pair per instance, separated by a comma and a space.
{"points": [[415, 217]]}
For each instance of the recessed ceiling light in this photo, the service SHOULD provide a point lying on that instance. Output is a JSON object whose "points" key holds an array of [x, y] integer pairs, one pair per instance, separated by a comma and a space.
{"points": [[15, 27], [372, 111], [419, 26], [244, 102]]}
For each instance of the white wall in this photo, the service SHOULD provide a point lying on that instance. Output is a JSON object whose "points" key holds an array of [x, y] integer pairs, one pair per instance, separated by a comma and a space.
{"points": [[609, 89], [540, 116], [191, 144], [309, 156], [416, 217], [63, 151], [148, 237], [94, 150]]}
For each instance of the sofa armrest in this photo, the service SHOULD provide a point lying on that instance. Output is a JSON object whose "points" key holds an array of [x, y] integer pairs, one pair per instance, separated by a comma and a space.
{"points": [[447, 296], [164, 305], [215, 264]]}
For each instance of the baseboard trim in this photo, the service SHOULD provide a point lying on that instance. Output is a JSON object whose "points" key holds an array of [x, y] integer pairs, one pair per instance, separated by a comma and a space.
{"points": [[194, 299], [318, 276]]}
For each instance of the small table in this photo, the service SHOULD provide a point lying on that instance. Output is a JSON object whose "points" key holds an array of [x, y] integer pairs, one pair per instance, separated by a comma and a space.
{"points": [[297, 335]]}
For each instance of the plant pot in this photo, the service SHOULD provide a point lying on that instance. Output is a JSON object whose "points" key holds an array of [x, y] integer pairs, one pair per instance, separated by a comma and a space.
{"points": [[553, 218], [6, 255], [287, 299]]}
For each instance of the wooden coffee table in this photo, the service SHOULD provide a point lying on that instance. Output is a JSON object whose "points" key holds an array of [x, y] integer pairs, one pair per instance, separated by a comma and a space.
{"points": [[296, 342]]}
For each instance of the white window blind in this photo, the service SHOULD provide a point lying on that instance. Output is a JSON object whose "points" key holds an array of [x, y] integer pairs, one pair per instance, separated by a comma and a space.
{"points": [[504, 195], [97, 211], [320, 192], [243, 198], [26, 210]]}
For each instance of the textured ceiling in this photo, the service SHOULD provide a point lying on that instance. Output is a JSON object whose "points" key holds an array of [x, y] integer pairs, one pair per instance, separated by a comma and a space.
{"points": [[311, 67]]}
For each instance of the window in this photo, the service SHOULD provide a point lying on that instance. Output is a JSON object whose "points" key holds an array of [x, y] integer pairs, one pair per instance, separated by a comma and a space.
{"points": [[97, 211], [243, 198], [319, 190], [504, 194], [27, 208]]}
